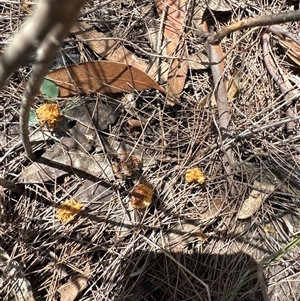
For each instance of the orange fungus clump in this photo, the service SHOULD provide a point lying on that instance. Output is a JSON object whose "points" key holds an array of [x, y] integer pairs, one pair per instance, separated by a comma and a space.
{"points": [[194, 175], [67, 210], [49, 114], [141, 197]]}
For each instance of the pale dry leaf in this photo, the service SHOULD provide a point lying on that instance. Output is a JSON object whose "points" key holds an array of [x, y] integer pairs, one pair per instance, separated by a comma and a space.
{"points": [[214, 208], [292, 49], [177, 76], [92, 38], [233, 86], [101, 77], [173, 30], [88, 117], [233, 90], [208, 100], [121, 148], [21, 287], [158, 68], [174, 19], [181, 235], [257, 196], [198, 61], [70, 290], [107, 47], [57, 162], [218, 5]]}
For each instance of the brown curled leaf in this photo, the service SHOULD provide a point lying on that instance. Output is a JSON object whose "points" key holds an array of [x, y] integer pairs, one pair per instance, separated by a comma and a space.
{"points": [[101, 77]]}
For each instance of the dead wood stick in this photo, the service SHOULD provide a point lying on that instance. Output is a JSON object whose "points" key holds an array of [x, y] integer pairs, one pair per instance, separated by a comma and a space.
{"points": [[281, 80], [215, 54], [46, 29], [253, 22]]}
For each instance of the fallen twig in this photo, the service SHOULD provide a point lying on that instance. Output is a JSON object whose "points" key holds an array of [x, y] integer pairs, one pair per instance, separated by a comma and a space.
{"points": [[282, 33], [215, 54], [54, 19], [253, 22], [281, 80]]}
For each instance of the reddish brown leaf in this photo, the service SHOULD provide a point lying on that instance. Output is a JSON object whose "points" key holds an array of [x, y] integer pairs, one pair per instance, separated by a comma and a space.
{"points": [[292, 49], [134, 123], [174, 21], [101, 77], [107, 47], [173, 30], [177, 77], [135, 127]]}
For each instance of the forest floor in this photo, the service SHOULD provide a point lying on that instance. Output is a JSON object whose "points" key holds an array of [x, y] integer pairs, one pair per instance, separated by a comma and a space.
{"points": [[191, 242]]}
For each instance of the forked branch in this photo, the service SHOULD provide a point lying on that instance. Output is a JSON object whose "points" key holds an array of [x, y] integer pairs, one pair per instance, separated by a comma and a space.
{"points": [[254, 22], [46, 29]]}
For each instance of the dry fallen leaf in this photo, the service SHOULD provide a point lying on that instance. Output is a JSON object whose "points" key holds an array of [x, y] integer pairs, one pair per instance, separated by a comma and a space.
{"points": [[184, 233], [141, 197], [257, 196], [218, 5], [173, 30], [57, 162], [101, 77], [106, 46], [233, 86], [233, 90], [292, 49], [213, 209], [70, 290], [21, 287]]}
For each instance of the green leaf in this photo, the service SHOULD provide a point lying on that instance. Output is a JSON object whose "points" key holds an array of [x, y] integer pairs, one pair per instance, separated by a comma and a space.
{"points": [[32, 117], [49, 88]]}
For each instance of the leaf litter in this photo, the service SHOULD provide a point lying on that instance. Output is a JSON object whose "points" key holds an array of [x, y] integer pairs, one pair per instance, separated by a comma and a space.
{"points": [[101, 77], [124, 247]]}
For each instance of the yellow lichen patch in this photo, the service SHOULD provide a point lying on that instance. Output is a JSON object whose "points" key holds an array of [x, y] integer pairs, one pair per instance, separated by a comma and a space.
{"points": [[141, 197], [67, 210], [194, 175], [49, 114]]}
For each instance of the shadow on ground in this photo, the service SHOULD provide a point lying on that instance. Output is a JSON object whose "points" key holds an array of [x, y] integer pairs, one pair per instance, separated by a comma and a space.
{"points": [[157, 277]]}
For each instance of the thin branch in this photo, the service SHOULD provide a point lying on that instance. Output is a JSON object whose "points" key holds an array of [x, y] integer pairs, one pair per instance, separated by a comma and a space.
{"points": [[281, 80], [215, 54], [46, 29], [253, 22], [33, 32]]}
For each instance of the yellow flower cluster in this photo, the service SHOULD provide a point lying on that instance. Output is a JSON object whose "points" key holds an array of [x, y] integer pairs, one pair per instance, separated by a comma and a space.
{"points": [[67, 210], [194, 175], [49, 114], [141, 197]]}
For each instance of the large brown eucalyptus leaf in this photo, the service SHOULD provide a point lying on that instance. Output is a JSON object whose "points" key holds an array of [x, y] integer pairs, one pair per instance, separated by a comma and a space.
{"points": [[101, 77]]}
